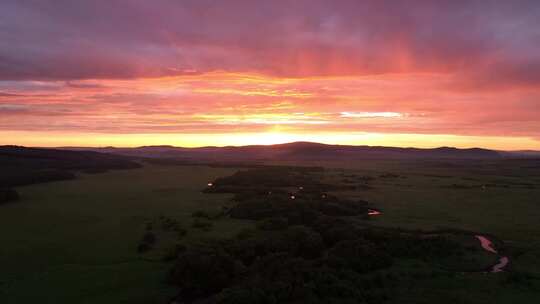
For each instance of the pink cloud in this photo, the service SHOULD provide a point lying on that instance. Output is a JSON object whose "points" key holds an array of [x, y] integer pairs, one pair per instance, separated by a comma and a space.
{"points": [[454, 67], [226, 102]]}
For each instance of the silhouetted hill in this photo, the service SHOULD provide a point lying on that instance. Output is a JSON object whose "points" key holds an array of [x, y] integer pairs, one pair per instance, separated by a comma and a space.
{"points": [[298, 151], [22, 166], [521, 154]]}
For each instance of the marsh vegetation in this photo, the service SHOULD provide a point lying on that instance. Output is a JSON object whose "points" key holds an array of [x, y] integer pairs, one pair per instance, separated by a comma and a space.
{"points": [[162, 231]]}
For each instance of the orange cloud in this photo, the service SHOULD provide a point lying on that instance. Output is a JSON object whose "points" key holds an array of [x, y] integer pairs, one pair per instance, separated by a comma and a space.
{"points": [[231, 103]]}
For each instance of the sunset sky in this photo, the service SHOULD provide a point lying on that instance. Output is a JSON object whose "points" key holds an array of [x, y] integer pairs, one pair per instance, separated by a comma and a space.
{"points": [[196, 73]]}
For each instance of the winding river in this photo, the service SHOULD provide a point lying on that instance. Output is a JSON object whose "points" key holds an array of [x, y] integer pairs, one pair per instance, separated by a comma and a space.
{"points": [[486, 244], [374, 212]]}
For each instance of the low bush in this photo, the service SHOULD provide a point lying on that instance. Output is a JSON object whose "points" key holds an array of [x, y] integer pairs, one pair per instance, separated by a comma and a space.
{"points": [[201, 214], [202, 224], [147, 242], [149, 238], [204, 271], [274, 223]]}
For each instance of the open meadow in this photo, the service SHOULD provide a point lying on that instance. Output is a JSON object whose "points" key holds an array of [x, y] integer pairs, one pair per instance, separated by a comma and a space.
{"points": [[79, 241], [76, 241]]}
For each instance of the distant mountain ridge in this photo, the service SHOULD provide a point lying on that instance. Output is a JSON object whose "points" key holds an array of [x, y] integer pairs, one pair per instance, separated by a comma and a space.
{"points": [[297, 151]]}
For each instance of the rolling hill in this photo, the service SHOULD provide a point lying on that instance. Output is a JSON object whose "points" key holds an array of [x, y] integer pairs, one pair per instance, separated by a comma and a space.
{"points": [[297, 151]]}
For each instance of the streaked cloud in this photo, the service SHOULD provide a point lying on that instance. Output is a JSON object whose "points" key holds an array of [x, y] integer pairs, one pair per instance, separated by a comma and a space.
{"points": [[370, 114], [453, 68]]}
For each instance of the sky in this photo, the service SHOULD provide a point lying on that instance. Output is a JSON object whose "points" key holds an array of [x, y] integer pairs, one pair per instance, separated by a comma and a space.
{"points": [[196, 73]]}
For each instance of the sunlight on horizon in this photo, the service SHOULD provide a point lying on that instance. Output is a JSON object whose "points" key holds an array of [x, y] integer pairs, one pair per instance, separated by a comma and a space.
{"points": [[48, 139]]}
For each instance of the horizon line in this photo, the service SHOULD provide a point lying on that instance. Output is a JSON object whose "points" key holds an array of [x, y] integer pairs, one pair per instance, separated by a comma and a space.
{"points": [[268, 145]]}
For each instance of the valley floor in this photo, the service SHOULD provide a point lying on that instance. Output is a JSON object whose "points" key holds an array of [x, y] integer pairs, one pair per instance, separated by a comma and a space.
{"points": [[76, 241]]}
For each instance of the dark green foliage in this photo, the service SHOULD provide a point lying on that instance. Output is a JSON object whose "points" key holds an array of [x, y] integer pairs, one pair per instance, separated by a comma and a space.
{"points": [[62, 159], [273, 223], [162, 227], [358, 255], [269, 177], [202, 214], [336, 207], [147, 242], [303, 242], [413, 278], [202, 224], [520, 278], [149, 238], [143, 247], [334, 230], [276, 276], [210, 215], [204, 271], [302, 252], [288, 266], [246, 233], [333, 261], [246, 295], [303, 209], [296, 241], [410, 245], [292, 193], [24, 166], [310, 247], [170, 224], [268, 180], [173, 252], [11, 177]]}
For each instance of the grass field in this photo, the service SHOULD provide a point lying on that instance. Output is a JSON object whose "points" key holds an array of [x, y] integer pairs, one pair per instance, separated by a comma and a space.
{"points": [[75, 241], [423, 197]]}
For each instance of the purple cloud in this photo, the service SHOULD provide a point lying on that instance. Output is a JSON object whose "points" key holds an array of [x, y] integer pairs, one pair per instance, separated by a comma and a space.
{"points": [[487, 41]]}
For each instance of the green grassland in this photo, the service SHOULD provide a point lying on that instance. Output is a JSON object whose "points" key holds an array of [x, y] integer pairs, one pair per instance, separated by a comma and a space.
{"points": [[76, 241], [495, 198]]}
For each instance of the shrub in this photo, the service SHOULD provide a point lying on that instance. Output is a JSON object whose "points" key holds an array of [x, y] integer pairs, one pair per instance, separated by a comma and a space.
{"points": [[519, 278], [245, 234], [245, 295], [169, 224], [143, 247], [303, 242], [274, 223], [202, 224], [149, 226], [173, 252], [181, 232], [201, 214], [149, 238], [204, 271], [359, 255], [147, 242], [337, 207]]}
